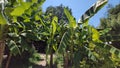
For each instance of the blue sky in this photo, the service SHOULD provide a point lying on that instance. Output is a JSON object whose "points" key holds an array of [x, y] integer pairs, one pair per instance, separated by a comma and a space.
{"points": [[79, 7]]}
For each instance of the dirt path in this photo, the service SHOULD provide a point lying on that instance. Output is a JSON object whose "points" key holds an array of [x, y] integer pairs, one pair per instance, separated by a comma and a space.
{"points": [[42, 62]]}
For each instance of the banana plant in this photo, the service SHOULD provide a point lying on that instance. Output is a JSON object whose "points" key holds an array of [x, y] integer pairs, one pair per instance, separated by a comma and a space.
{"points": [[51, 40], [23, 29], [3, 29], [77, 41], [92, 10], [88, 14]]}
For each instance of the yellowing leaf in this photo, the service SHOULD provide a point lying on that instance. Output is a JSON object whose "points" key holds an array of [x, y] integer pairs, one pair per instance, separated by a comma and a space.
{"points": [[95, 35]]}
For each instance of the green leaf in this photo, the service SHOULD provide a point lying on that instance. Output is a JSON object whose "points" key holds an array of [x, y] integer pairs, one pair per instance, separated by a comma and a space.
{"points": [[18, 11], [2, 19], [13, 34], [45, 33], [105, 31], [62, 46], [19, 1], [41, 21], [30, 35], [72, 22], [35, 58], [37, 17], [86, 23], [91, 55], [54, 24], [112, 50], [99, 5], [91, 46], [54, 47], [27, 20], [34, 1], [14, 49], [92, 10], [3, 26], [64, 42]]}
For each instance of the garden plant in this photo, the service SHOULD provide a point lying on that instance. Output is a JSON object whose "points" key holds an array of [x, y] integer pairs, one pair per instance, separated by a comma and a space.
{"points": [[74, 44]]}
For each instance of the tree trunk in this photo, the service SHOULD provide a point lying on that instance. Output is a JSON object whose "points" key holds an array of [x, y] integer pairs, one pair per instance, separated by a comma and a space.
{"points": [[2, 47], [8, 61], [51, 59], [66, 60]]}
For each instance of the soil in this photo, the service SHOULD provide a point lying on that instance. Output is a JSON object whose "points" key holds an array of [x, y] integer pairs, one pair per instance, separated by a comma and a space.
{"points": [[42, 63]]}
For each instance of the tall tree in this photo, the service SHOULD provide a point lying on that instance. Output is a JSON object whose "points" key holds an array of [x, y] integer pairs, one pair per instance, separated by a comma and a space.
{"points": [[55, 15], [59, 12], [112, 20]]}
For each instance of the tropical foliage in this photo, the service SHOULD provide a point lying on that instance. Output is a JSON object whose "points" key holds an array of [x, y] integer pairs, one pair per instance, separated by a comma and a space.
{"points": [[23, 29], [59, 12], [112, 21], [82, 44], [112, 18], [76, 45]]}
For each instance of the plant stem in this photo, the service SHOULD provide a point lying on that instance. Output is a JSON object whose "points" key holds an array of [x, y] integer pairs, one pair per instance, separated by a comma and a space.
{"points": [[66, 60], [8, 61], [71, 47], [51, 58], [2, 47]]}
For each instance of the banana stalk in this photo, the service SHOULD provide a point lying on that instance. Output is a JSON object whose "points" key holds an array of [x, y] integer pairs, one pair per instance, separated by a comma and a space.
{"points": [[3, 32], [2, 47]]}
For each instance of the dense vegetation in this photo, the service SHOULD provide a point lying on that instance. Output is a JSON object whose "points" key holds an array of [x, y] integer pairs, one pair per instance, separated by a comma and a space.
{"points": [[59, 12], [112, 21], [76, 44]]}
